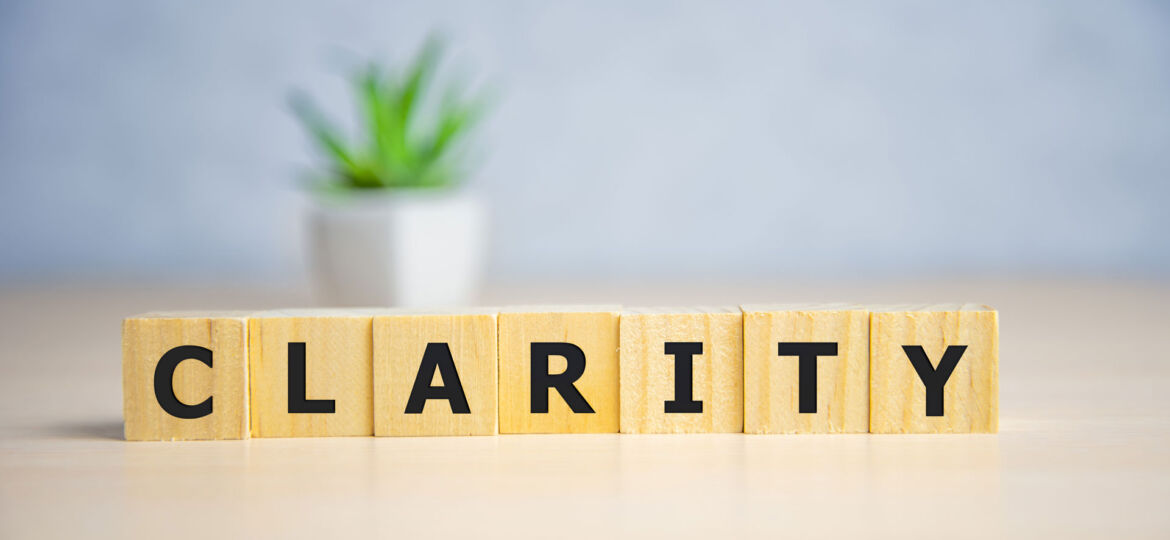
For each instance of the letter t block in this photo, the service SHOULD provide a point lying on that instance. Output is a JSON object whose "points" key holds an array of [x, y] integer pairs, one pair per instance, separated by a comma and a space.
{"points": [[785, 393], [934, 369]]}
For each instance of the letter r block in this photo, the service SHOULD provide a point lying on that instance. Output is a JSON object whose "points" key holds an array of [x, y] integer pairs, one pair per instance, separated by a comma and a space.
{"points": [[936, 335], [336, 346], [712, 339], [401, 339], [591, 331], [146, 339], [773, 382]]}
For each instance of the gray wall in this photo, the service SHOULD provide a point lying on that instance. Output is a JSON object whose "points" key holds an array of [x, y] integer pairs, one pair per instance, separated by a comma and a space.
{"points": [[151, 139]]}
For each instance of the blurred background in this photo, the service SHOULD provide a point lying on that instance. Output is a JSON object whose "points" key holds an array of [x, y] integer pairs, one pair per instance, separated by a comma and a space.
{"points": [[152, 143]]}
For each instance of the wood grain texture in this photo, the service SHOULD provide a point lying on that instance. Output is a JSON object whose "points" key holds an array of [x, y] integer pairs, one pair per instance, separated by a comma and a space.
{"points": [[146, 338], [592, 329], [897, 394], [648, 373], [338, 367], [400, 340], [771, 381]]}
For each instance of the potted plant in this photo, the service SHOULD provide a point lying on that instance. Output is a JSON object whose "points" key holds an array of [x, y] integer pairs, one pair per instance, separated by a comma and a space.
{"points": [[390, 224]]}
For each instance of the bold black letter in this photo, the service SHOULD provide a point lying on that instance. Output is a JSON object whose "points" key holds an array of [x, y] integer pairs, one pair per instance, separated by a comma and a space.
{"points": [[807, 369], [683, 401], [297, 401], [934, 378], [437, 356], [164, 388], [542, 380]]}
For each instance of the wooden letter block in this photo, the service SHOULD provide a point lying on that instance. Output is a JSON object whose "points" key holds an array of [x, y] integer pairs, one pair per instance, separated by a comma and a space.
{"points": [[806, 369], [311, 373], [681, 371], [559, 370], [185, 376], [435, 373], [934, 369]]}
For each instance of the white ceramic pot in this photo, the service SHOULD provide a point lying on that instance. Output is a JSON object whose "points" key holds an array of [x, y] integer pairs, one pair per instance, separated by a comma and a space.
{"points": [[408, 248]]}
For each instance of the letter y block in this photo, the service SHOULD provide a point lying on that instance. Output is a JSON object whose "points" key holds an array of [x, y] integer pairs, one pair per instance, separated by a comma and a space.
{"points": [[934, 369]]}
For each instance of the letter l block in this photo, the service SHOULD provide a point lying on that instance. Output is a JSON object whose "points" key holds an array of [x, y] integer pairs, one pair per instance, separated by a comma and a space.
{"points": [[338, 367]]}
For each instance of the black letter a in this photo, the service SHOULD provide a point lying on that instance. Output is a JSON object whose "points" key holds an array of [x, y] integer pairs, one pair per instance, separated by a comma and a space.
{"points": [[437, 356]]}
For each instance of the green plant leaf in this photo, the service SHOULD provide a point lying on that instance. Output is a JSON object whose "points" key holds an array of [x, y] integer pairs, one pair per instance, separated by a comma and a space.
{"points": [[376, 117], [417, 77], [322, 131], [398, 144]]}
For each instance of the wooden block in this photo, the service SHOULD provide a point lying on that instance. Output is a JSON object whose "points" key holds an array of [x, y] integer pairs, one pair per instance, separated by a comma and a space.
{"points": [[435, 373], [806, 369], [311, 373], [961, 341], [660, 350], [573, 351], [185, 376]]}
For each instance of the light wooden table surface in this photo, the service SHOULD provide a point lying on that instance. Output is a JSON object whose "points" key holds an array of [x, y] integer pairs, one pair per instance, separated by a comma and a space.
{"points": [[1084, 448]]}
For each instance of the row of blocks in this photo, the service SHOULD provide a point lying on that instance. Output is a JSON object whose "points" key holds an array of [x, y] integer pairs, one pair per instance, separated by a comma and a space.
{"points": [[754, 369]]}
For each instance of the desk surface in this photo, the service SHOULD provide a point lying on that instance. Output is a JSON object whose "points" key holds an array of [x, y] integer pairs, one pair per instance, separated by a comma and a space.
{"points": [[1084, 448]]}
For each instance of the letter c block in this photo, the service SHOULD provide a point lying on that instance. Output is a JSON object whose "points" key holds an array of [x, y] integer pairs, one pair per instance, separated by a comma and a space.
{"points": [[169, 391]]}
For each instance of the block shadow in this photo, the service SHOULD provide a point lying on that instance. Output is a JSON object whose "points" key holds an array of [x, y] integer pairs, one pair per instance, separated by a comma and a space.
{"points": [[98, 429]]}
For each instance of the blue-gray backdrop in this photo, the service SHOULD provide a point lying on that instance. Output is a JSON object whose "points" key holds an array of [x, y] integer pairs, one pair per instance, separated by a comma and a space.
{"points": [[152, 139]]}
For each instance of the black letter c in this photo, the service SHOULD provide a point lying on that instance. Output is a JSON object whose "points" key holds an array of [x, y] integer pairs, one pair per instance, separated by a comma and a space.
{"points": [[164, 388]]}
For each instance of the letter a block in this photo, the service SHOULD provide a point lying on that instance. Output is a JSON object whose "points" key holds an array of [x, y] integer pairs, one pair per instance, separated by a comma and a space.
{"points": [[934, 369], [184, 376], [559, 370], [311, 373], [435, 373], [681, 371], [806, 369]]}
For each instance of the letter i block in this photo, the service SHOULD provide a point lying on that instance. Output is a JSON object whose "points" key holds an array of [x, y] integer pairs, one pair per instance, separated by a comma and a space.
{"points": [[435, 373], [934, 369], [185, 376], [681, 371], [311, 373], [806, 369], [559, 370]]}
